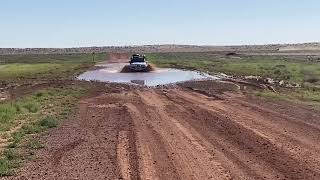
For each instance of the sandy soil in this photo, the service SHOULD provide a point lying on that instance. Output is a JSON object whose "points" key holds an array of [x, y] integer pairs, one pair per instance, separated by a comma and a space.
{"points": [[180, 133]]}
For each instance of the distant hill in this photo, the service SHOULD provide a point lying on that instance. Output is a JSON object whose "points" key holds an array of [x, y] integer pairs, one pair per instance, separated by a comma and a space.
{"points": [[166, 48]]}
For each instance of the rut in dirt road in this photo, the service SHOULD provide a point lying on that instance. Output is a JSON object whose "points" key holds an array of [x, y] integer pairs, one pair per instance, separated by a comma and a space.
{"points": [[178, 134]]}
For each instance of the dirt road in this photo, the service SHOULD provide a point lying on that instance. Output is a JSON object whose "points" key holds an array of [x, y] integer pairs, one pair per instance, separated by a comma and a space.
{"points": [[180, 134]]}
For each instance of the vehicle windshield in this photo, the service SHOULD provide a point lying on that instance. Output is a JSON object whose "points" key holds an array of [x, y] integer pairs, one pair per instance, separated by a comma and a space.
{"points": [[137, 59]]}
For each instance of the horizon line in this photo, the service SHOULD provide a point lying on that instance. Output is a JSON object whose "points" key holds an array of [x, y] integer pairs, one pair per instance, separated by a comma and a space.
{"points": [[145, 45]]}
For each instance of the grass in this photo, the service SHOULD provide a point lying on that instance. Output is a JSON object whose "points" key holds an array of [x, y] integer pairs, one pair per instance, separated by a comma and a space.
{"points": [[51, 58], [34, 111], [39, 111], [48, 122], [291, 70], [16, 68], [34, 144], [9, 160], [271, 67], [272, 95], [33, 128], [9, 112], [14, 71], [301, 95], [40, 71], [50, 101]]}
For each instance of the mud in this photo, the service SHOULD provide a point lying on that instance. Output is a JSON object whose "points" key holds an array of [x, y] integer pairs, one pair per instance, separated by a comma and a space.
{"points": [[179, 133]]}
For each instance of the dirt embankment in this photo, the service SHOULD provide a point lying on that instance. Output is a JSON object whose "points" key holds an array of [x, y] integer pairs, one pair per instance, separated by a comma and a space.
{"points": [[177, 133]]}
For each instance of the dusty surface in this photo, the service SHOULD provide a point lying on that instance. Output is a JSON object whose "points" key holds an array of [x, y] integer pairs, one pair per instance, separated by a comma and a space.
{"points": [[180, 133]]}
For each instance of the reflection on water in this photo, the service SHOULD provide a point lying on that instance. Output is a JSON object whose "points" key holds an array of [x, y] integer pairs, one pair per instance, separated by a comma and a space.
{"points": [[111, 73]]}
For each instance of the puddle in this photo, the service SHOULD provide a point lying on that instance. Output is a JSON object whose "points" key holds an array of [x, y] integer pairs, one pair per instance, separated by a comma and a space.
{"points": [[161, 76]]}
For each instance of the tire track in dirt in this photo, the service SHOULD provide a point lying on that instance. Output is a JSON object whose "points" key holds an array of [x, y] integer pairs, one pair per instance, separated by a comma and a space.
{"points": [[177, 134], [123, 155], [57, 155], [191, 159], [154, 160], [279, 129], [177, 110], [259, 142]]}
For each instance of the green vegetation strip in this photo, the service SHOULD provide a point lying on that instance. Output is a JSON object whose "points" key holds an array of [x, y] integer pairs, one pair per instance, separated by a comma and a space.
{"points": [[37, 113], [16, 68], [307, 74], [51, 58], [280, 68], [302, 95], [22, 118]]}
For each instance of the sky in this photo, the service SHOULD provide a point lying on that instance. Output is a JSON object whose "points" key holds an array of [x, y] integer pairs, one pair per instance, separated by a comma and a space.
{"points": [[75, 23]]}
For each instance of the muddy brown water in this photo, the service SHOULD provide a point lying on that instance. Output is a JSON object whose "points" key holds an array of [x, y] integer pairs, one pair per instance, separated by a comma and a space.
{"points": [[161, 76]]}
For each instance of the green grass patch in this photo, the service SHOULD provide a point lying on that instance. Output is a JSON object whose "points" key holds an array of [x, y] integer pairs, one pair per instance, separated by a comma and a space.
{"points": [[301, 95], [10, 111], [34, 113], [33, 128], [272, 95], [56, 101], [34, 145], [48, 122], [38, 112], [51, 58], [279, 68], [18, 68], [9, 160], [21, 72], [7, 114], [307, 95]]}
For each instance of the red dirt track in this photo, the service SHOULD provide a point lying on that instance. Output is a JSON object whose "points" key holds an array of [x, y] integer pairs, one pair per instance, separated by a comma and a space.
{"points": [[178, 133]]}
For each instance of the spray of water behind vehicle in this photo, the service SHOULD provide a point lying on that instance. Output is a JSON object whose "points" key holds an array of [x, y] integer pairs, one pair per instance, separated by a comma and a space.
{"points": [[138, 63]]}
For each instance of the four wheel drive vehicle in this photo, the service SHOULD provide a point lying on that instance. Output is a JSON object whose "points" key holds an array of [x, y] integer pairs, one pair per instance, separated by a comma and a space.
{"points": [[138, 63]]}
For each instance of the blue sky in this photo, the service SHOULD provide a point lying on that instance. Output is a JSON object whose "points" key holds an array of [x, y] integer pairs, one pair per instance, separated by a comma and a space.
{"points": [[74, 23]]}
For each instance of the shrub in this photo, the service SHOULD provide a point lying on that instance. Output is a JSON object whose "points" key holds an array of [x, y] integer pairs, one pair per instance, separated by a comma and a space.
{"points": [[48, 122]]}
